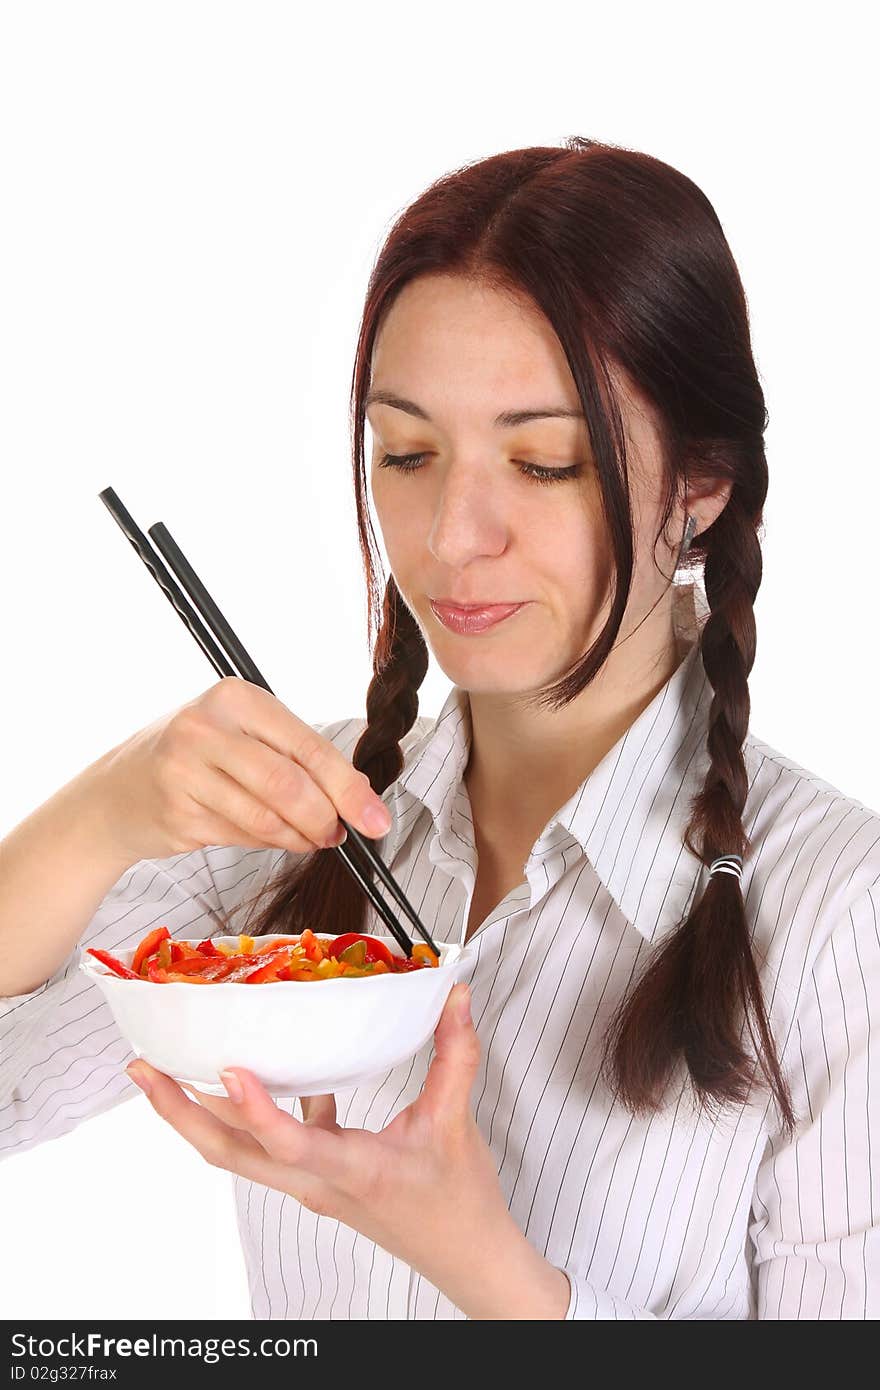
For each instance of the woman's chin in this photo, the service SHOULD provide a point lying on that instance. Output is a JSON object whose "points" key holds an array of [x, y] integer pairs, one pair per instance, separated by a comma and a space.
{"points": [[489, 673]]}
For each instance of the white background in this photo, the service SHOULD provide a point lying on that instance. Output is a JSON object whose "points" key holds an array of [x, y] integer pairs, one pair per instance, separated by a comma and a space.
{"points": [[193, 195]]}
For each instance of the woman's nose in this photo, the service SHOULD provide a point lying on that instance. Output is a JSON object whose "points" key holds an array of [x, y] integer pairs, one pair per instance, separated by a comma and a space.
{"points": [[468, 520]]}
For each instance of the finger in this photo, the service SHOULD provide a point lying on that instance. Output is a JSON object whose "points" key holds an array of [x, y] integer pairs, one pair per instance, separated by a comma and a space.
{"points": [[275, 792], [321, 1111], [221, 1106], [322, 774], [218, 1143], [317, 1110], [227, 1147], [216, 830], [286, 1139], [219, 795], [447, 1089]]}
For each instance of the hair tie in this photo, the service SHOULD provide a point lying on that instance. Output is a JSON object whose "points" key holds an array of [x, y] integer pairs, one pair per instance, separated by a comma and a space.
{"points": [[727, 864]]}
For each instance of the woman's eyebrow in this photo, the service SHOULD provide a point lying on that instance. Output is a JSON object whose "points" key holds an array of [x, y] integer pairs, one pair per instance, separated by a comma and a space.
{"points": [[507, 418]]}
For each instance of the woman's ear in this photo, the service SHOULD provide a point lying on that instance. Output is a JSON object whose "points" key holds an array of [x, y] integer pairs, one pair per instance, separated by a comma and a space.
{"points": [[706, 501]]}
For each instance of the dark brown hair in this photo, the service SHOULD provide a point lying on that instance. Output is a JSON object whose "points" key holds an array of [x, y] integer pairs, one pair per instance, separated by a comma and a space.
{"points": [[627, 260]]}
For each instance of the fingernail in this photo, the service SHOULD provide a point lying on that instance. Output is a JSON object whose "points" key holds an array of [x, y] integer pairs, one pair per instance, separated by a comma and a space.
{"points": [[339, 836], [138, 1078], [377, 818], [233, 1086], [464, 1005]]}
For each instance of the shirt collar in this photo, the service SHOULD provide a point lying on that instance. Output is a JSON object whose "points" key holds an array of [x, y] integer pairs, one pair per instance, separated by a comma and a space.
{"points": [[628, 816]]}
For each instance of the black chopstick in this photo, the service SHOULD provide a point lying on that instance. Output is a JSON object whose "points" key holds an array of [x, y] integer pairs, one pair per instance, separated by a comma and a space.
{"points": [[168, 547], [222, 657], [130, 528], [248, 669]]}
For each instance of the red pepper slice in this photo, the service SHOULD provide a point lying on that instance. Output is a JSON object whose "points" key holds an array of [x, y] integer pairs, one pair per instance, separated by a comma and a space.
{"points": [[376, 949], [242, 972], [191, 965], [229, 967], [115, 965], [207, 948], [188, 951], [274, 961], [211, 970], [146, 948]]}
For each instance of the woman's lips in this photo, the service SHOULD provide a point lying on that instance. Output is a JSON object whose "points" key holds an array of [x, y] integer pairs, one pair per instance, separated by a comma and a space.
{"points": [[466, 621]]}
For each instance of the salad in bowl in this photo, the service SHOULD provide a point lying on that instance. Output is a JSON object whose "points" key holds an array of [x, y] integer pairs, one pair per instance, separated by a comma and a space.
{"points": [[367, 1009]]}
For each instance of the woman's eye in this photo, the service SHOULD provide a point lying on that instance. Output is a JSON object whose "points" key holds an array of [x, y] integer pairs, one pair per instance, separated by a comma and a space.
{"points": [[410, 463], [407, 463]]}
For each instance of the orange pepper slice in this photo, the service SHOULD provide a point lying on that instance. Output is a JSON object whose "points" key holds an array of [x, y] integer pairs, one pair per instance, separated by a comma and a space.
{"points": [[147, 946], [423, 952]]}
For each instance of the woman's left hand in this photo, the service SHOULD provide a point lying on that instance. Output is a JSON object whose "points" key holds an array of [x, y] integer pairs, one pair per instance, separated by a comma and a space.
{"points": [[425, 1187]]}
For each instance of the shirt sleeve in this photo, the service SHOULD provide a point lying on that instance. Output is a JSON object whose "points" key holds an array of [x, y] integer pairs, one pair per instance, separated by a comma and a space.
{"points": [[61, 1052], [817, 1197]]}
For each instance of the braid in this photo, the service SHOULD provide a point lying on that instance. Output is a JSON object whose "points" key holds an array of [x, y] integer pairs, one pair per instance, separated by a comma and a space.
{"points": [[400, 663], [702, 990], [318, 891]]}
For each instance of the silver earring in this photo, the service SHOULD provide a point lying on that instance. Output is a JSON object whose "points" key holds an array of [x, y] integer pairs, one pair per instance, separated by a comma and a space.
{"points": [[690, 528]]}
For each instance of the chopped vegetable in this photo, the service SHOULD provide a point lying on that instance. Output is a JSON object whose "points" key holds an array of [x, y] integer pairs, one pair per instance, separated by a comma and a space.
{"points": [[373, 949], [311, 945], [158, 959], [115, 965], [355, 954], [146, 948], [423, 952], [274, 960]]}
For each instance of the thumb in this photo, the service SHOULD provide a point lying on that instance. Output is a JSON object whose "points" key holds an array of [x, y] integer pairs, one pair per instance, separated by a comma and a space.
{"points": [[447, 1088]]}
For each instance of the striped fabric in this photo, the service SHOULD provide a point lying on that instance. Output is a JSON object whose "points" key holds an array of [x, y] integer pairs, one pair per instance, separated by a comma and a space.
{"points": [[676, 1215]]}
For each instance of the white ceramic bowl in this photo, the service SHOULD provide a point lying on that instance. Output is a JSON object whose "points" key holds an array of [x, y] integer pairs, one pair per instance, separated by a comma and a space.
{"points": [[299, 1037]]}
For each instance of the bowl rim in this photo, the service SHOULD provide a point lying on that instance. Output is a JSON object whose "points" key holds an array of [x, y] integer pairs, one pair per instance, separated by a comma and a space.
{"points": [[90, 965]]}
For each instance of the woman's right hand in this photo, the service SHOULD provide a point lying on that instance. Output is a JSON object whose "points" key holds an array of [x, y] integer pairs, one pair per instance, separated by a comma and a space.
{"points": [[233, 767]]}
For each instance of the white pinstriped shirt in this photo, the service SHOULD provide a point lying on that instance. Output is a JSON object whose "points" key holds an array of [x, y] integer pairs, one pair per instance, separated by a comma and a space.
{"points": [[672, 1216]]}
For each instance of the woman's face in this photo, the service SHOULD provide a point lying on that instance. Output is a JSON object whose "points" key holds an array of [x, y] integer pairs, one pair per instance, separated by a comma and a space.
{"points": [[468, 524]]}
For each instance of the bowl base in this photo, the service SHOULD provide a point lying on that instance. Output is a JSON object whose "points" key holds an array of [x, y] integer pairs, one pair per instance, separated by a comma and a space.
{"points": [[216, 1088]]}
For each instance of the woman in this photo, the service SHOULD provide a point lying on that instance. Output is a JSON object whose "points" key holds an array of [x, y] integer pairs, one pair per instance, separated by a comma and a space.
{"points": [[657, 1103]]}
